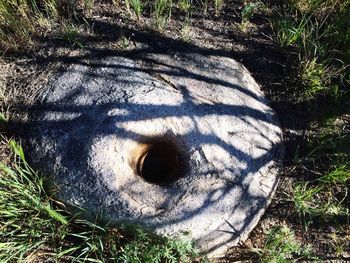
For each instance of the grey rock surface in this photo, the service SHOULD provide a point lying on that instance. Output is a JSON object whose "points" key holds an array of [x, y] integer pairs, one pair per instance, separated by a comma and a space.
{"points": [[94, 115]]}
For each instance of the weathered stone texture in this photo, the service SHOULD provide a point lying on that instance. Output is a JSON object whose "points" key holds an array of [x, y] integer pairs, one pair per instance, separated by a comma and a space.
{"points": [[93, 115]]}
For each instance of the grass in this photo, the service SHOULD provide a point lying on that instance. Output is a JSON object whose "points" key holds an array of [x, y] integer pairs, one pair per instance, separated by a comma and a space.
{"points": [[34, 226], [27, 219], [186, 31], [15, 23], [136, 6], [317, 77], [70, 34], [318, 31], [317, 36], [185, 5], [20, 19], [162, 12], [287, 30], [323, 196], [218, 6], [88, 4], [319, 202], [320, 39], [330, 141], [281, 246], [247, 14], [339, 176]]}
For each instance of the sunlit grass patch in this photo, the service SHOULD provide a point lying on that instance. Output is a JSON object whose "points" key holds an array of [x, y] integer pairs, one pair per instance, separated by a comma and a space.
{"points": [[185, 5], [32, 227], [136, 5], [247, 13], [20, 19], [317, 78], [323, 196], [319, 201], [339, 176], [162, 12], [218, 6], [282, 246], [28, 219], [320, 36], [186, 31]]}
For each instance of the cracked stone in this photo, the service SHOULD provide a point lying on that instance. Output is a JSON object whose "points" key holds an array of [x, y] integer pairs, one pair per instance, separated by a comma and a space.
{"points": [[180, 142]]}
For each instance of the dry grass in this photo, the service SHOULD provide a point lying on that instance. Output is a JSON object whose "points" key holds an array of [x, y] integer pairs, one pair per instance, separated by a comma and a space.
{"points": [[21, 82]]}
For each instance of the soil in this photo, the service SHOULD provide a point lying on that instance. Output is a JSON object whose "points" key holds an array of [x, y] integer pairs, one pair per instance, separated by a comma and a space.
{"points": [[106, 30]]}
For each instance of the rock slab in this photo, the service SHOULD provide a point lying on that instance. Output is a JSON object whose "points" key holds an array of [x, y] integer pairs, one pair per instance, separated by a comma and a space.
{"points": [[94, 115]]}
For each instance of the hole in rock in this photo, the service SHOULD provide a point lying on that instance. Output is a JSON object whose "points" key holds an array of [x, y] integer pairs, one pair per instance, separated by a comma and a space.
{"points": [[158, 162]]}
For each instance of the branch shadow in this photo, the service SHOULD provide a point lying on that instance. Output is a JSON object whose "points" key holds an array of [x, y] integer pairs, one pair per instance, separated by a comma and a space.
{"points": [[262, 59], [82, 106]]}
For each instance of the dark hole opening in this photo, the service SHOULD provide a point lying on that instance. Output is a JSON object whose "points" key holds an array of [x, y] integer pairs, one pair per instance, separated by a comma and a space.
{"points": [[159, 164]]}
